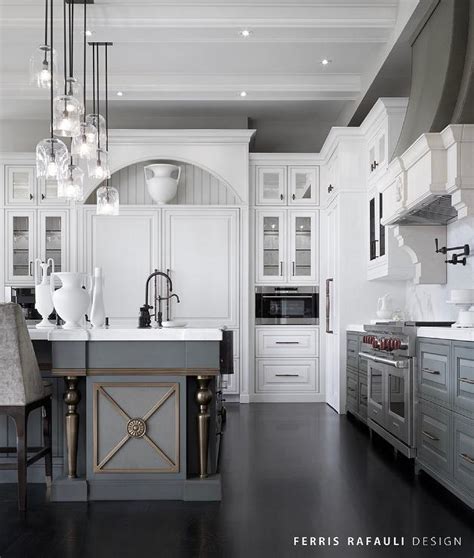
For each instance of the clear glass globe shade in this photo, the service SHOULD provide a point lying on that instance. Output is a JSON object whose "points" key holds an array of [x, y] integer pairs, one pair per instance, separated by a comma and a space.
{"points": [[71, 185], [108, 202], [40, 67], [84, 145], [66, 116], [51, 159], [74, 89], [98, 121], [98, 166]]}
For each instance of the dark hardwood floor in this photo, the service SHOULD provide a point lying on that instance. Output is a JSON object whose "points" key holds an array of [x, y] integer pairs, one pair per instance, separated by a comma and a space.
{"points": [[289, 470]]}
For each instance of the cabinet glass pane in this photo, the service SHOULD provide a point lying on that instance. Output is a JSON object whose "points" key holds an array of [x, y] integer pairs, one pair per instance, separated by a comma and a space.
{"points": [[53, 237], [303, 185], [381, 227], [302, 264], [271, 246], [381, 149], [21, 246], [396, 394], [376, 394], [372, 240], [271, 186], [20, 184]]}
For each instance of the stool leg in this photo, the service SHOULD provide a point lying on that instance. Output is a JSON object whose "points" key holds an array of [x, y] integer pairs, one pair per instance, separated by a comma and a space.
{"points": [[21, 422], [48, 459]]}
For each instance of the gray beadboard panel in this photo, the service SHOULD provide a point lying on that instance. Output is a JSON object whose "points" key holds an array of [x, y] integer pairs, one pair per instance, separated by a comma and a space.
{"points": [[196, 187]]}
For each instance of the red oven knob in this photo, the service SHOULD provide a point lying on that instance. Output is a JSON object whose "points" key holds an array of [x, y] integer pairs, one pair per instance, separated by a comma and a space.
{"points": [[397, 344]]}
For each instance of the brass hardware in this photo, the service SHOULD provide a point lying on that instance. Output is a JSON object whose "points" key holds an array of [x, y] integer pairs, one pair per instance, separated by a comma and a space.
{"points": [[429, 371], [31, 272], [281, 269], [135, 428], [31, 196], [330, 188], [43, 196], [294, 270], [467, 458], [287, 342], [430, 436], [293, 197], [71, 397], [287, 375], [203, 398], [328, 305], [466, 380], [281, 197]]}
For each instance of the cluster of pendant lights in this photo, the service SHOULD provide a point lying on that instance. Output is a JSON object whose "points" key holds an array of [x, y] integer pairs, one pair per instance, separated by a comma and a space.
{"points": [[88, 134]]}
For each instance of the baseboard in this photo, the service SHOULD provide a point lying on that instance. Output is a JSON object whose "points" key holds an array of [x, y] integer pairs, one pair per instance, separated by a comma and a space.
{"points": [[286, 398], [244, 398]]}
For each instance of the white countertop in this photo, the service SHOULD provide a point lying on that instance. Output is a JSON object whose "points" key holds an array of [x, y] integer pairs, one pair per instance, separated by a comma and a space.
{"points": [[127, 334], [454, 333]]}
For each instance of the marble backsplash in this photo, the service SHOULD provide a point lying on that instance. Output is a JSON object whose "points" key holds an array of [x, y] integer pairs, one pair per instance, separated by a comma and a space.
{"points": [[428, 302]]}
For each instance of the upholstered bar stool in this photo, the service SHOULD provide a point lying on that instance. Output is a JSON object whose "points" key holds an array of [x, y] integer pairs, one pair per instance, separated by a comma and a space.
{"points": [[22, 390]]}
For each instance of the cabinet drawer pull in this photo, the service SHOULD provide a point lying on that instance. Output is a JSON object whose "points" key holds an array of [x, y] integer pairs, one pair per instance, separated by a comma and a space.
{"points": [[466, 380], [430, 436], [281, 269], [363, 397], [287, 342], [395, 424], [429, 371], [351, 389], [467, 458], [375, 412], [293, 268], [287, 375]]}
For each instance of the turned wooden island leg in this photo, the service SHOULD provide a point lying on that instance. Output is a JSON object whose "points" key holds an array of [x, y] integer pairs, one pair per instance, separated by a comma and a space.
{"points": [[72, 397], [203, 398]]}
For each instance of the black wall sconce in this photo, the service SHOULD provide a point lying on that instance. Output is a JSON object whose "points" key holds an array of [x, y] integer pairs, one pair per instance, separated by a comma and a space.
{"points": [[456, 258]]}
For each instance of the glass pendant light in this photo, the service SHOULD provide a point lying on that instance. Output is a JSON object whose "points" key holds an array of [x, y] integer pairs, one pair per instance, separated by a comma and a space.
{"points": [[51, 153], [84, 145], [99, 123], [41, 60], [71, 184], [107, 200], [51, 159], [98, 166], [67, 108]]}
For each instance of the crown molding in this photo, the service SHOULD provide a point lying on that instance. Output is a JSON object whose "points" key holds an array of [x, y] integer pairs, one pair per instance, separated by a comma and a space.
{"points": [[193, 136]]}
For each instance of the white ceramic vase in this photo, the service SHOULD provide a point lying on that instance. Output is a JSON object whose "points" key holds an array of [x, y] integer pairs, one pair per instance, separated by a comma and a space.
{"points": [[43, 300], [162, 181], [97, 316], [71, 301]]}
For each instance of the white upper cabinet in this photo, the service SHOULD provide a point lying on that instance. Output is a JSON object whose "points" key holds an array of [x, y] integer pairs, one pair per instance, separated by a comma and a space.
{"points": [[271, 260], [302, 260], [303, 186], [271, 186], [286, 185], [286, 246], [22, 187]]}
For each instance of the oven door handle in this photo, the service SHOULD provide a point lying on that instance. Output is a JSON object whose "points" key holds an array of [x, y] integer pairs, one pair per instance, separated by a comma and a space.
{"points": [[380, 360], [288, 296], [328, 305]]}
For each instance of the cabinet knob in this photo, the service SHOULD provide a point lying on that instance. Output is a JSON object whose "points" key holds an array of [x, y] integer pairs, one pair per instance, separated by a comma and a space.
{"points": [[375, 165], [293, 197], [330, 188], [281, 197], [43, 196], [31, 196]]}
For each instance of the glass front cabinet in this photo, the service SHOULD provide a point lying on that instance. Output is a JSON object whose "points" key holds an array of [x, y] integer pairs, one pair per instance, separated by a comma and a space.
{"points": [[34, 234], [286, 246], [23, 188], [377, 238], [293, 185]]}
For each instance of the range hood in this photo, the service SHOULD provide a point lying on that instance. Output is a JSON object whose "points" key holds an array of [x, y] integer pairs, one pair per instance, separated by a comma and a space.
{"points": [[437, 211]]}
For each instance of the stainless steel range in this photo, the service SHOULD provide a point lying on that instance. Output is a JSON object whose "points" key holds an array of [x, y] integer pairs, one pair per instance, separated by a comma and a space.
{"points": [[390, 351]]}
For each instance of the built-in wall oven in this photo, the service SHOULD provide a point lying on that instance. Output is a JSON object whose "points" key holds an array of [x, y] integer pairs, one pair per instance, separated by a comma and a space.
{"points": [[287, 305]]}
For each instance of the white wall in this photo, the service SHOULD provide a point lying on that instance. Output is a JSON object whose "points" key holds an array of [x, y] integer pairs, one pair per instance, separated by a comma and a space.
{"points": [[428, 302]]}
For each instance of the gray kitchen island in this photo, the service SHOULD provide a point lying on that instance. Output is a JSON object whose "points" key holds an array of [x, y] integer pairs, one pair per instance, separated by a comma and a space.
{"points": [[139, 413]]}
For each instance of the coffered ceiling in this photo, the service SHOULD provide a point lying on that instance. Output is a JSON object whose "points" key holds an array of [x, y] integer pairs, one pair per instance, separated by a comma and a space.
{"points": [[191, 54]]}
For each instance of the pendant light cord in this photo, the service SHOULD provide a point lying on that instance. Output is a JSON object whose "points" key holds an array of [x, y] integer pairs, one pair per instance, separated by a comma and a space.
{"points": [[84, 63], [65, 45], [46, 23], [93, 78], [98, 95], [106, 99], [51, 87]]}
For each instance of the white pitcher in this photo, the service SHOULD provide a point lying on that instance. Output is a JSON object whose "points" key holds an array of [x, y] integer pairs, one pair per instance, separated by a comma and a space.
{"points": [[162, 181], [43, 300], [98, 310], [71, 301]]}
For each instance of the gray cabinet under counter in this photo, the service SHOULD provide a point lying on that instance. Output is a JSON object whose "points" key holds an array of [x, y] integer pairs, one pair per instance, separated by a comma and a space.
{"points": [[445, 414], [356, 379]]}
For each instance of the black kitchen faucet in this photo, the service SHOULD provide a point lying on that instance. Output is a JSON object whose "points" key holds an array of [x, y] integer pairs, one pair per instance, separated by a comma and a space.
{"points": [[144, 320]]}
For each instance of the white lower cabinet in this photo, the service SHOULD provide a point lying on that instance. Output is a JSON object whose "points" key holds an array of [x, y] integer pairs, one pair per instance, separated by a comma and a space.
{"points": [[286, 375], [286, 360]]}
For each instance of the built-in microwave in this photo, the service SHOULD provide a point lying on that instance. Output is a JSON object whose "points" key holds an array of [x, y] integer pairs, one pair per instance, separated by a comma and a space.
{"points": [[287, 305]]}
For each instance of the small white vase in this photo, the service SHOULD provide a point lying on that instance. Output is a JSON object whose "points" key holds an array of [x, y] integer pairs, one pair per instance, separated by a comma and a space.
{"points": [[71, 301], [162, 181], [98, 310], [43, 300]]}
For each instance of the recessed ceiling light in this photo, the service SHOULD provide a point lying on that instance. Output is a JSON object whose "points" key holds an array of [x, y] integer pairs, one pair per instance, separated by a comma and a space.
{"points": [[325, 61], [119, 93], [243, 93], [245, 33], [88, 33]]}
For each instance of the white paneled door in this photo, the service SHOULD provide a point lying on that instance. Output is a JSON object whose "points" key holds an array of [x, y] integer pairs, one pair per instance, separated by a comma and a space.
{"points": [[126, 248], [201, 250]]}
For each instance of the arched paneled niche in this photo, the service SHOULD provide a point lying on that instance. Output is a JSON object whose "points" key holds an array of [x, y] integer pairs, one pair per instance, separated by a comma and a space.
{"points": [[196, 186]]}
